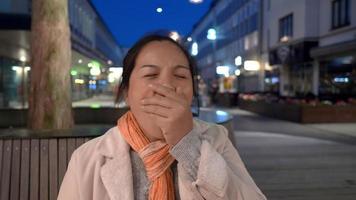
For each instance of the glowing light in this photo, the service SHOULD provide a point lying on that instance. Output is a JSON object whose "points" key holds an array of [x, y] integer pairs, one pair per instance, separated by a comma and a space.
{"points": [[237, 72], [195, 49], [341, 80], [268, 67], [79, 81], [189, 39], [211, 34], [115, 74], [95, 68], [17, 69], [80, 61], [95, 71], [238, 61], [251, 65], [73, 73], [274, 80], [23, 59], [221, 113], [285, 39], [174, 35], [117, 71], [159, 10], [95, 105], [93, 63], [196, 1], [223, 70], [109, 62]]}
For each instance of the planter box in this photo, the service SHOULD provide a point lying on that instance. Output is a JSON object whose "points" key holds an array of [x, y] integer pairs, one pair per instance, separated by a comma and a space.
{"points": [[302, 113]]}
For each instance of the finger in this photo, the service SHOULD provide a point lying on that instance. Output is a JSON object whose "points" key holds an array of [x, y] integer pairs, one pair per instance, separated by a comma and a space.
{"points": [[158, 100], [156, 110], [162, 90]]}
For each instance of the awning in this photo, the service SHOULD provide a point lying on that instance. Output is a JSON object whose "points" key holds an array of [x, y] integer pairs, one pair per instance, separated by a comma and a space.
{"points": [[339, 48]]}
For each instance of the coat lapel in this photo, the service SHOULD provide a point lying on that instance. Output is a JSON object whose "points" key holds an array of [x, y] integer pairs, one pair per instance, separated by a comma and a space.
{"points": [[116, 173]]}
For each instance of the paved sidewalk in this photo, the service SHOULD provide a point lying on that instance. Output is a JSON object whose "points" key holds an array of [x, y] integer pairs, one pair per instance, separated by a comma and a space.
{"points": [[248, 121], [291, 161]]}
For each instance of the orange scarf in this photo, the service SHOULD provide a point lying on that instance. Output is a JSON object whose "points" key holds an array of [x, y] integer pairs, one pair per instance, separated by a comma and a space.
{"points": [[155, 156]]}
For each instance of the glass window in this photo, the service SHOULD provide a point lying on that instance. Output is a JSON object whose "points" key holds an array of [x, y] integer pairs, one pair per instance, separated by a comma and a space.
{"points": [[340, 13], [286, 27]]}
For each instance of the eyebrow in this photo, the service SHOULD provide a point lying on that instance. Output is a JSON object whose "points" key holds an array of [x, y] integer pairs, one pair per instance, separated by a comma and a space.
{"points": [[175, 67]]}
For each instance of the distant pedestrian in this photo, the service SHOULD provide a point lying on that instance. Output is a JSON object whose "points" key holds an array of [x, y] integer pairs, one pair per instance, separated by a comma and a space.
{"points": [[158, 151]]}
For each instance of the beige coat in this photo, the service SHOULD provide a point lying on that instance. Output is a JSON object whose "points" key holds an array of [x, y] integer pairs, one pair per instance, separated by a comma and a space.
{"points": [[101, 170]]}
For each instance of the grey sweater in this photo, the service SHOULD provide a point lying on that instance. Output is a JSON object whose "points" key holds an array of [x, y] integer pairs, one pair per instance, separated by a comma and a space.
{"points": [[140, 180]]}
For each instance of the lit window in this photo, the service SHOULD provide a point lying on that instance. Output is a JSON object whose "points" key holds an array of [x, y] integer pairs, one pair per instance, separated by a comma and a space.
{"points": [[286, 28]]}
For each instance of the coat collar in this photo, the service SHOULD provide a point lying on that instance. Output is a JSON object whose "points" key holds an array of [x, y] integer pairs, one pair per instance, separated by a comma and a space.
{"points": [[116, 173]]}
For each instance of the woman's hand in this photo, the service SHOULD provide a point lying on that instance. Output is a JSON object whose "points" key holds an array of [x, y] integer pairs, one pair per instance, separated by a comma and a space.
{"points": [[171, 112]]}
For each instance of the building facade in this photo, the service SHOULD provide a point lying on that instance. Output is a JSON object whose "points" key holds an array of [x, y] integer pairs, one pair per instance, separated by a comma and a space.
{"points": [[297, 48], [226, 37], [335, 57], [290, 32], [309, 46], [93, 46]]}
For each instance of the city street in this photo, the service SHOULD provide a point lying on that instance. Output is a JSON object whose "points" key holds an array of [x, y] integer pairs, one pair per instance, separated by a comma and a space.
{"points": [[290, 161]]}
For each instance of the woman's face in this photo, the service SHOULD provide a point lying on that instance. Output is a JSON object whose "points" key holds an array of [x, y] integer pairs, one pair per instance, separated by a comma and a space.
{"points": [[158, 62]]}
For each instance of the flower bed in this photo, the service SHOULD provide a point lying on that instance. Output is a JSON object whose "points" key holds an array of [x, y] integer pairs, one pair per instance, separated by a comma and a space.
{"points": [[300, 110]]}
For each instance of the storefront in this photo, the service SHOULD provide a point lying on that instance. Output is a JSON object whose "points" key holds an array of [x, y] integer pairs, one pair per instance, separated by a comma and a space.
{"points": [[293, 69], [337, 65], [14, 82]]}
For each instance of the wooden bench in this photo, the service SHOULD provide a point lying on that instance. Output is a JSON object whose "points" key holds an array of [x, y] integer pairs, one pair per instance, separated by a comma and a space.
{"points": [[33, 164], [33, 169]]}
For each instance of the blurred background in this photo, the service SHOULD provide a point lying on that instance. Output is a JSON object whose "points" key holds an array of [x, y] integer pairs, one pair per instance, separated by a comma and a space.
{"points": [[296, 52], [280, 74]]}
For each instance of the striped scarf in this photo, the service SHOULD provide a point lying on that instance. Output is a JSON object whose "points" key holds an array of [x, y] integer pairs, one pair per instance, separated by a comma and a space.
{"points": [[155, 156]]}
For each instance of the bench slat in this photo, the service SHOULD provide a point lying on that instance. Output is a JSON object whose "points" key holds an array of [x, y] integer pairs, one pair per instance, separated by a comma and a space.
{"points": [[53, 169], [71, 146], [62, 160], [44, 187], [34, 170], [25, 170], [1, 152], [6, 170], [79, 141], [15, 170]]}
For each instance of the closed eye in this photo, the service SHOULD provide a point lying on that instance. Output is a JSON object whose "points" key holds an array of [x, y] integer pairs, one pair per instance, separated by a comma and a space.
{"points": [[150, 75], [180, 76]]}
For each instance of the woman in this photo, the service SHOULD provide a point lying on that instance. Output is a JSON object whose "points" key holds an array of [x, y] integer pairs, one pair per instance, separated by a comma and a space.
{"points": [[157, 150]]}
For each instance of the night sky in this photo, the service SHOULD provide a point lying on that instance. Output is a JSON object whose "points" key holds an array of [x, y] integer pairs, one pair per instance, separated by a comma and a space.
{"points": [[128, 20]]}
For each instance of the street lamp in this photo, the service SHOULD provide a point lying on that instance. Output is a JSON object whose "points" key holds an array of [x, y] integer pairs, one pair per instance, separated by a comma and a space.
{"points": [[194, 49], [196, 1], [174, 35], [211, 34], [159, 9]]}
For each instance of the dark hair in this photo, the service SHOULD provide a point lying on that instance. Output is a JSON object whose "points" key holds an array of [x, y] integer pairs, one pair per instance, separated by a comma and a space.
{"points": [[130, 61]]}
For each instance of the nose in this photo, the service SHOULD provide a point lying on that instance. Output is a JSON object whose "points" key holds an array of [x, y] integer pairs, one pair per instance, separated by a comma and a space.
{"points": [[167, 80]]}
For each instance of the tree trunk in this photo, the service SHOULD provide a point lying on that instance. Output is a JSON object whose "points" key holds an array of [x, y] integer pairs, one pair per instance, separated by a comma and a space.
{"points": [[50, 104]]}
